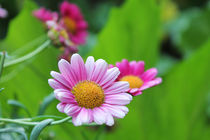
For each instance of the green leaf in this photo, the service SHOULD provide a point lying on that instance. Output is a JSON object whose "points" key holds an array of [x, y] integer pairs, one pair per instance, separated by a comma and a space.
{"points": [[46, 103], [177, 108], [191, 29], [27, 80], [20, 105], [14, 130], [132, 32], [39, 128]]}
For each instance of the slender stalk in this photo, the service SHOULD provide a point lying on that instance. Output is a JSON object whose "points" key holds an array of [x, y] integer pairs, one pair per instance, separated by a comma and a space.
{"points": [[61, 121], [18, 122], [26, 57], [2, 63]]}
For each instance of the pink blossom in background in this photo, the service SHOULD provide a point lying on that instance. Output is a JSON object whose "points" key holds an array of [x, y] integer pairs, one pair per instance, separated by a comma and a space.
{"points": [[89, 92], [3, 12], [71, 28], [133, 72], [74, 23]]}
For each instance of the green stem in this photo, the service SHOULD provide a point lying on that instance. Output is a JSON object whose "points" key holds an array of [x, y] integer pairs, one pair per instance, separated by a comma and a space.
{"points": [[61, 121], [2, 63], [18, 122], [26, 57]]}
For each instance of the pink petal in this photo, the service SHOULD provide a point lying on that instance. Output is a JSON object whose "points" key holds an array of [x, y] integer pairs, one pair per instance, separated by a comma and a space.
{"points": [[90, 66], [123, 67], [76, 120], [56, 85], [71, 109], [85, 117], [151, 83], [114, 110], [100, 70], [110, 76], [99, 115], [64, 96], [78, 66], [118, 99], [149, 74], [117, 87], [61, 107], [67, 71], [61, 79], [137, 68]]}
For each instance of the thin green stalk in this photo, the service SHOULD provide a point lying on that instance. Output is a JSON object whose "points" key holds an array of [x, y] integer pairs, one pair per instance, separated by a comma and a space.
{"points": [[26, 57], [61, 121], [18, 122], [2, 63]]}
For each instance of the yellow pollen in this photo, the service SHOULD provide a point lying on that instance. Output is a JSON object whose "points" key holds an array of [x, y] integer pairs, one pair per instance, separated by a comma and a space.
{"points": [[88, 94], [134, 81], [64, 34], [70, 24]]}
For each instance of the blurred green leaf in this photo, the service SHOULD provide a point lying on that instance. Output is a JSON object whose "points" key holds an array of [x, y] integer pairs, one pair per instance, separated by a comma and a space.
{"points": [[27, 80], [14, 130], [45, 103], [39, 128], [177, 108], [191, 29], [132, 32], [20, 105]]}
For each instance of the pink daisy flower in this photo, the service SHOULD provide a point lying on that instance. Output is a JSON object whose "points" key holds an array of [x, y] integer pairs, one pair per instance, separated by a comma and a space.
{"points": [[74, 23], [70, 20], [138, 79], [89, 92]]}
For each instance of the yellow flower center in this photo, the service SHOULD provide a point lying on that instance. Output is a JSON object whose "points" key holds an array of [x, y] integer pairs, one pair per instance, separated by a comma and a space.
{"points": [[88, 94], [134, 81], [70, 24]]}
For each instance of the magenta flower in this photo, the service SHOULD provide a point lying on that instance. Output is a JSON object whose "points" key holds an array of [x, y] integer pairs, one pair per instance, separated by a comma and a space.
{"points": [[73, 22], [3, 12], [89, 92], [70, 20], [138, 79]]}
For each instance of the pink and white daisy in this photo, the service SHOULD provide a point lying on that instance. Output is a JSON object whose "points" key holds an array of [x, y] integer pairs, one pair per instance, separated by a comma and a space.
{"points": [[89, 92], [138, 79]]}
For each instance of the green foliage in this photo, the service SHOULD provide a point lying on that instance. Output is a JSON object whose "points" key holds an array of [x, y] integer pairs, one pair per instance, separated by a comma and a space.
{"points": [[132, 32], [38, 128], [191, 29], [20, 105], [28, 80], [177, 108]]}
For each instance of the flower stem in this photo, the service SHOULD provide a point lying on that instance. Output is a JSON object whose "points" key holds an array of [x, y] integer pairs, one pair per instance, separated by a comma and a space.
{"points": [[26, 57], [18, 122], [61, 121], [2, 63]]}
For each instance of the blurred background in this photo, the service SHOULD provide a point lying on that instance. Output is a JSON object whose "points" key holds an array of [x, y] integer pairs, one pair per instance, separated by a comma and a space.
{"points": [[173, 36]]}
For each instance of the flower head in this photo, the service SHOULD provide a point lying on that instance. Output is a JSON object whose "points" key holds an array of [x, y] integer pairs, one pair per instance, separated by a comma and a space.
{"points": [[138, 79], [68, 29], [89, 92], [73, 21]]}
